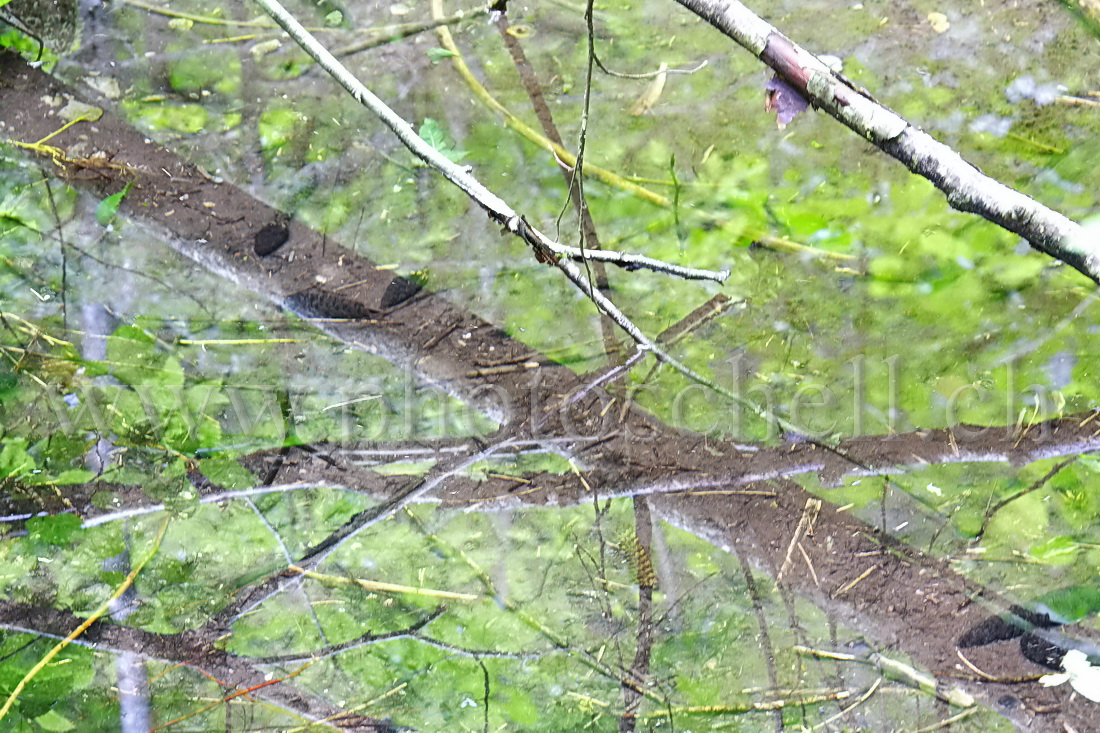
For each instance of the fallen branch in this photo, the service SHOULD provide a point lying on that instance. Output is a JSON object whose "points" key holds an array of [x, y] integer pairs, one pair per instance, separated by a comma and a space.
{"points": [[967, 188]]}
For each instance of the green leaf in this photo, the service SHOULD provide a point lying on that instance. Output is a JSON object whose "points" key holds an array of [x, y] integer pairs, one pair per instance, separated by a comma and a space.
{"points": [[210, 70], [521, 709], [1019, 524], [1092, 463], [71, 476], [227, 473], [108, 207], [278, 126], [1059, 550], [1073, 604], [433, 134], [54, 721], [59, 530], [186, 118], [183, 504], [435, 55], [894, 268], [14, 461]]}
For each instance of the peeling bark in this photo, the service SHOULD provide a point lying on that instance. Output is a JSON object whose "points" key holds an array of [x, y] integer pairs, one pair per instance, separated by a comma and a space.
{"points": [[967, 189]]}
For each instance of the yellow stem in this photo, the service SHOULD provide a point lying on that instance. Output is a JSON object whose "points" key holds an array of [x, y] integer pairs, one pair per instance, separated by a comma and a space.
{"points": [[87, 622], [373, 585], [601, 174]]}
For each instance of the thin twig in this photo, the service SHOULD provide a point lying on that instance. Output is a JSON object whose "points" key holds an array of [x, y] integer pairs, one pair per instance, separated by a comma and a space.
{"points": [[589, 238], [643, 567], [990, 513], [765, 637], [316, 554], [634, 262], [367, 638], [557, 640], [649, 74], [862, 699], [303, 596], [499, 210], [208, 499], [563, 155]]}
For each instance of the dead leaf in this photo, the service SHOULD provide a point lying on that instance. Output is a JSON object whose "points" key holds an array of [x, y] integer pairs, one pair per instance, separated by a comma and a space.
{"points": [[652, 92], [783, 99], [939, 22]]}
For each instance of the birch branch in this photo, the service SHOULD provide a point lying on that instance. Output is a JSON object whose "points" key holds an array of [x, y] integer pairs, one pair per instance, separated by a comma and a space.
{"points": [[460, 176], [967, 188]]}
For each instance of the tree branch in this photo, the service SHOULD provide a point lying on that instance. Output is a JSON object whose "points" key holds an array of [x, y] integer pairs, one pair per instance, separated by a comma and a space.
{"points": [[460, 176], [967, 188]]}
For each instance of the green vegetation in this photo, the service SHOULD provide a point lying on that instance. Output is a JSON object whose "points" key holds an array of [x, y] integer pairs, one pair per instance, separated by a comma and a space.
{"points": [[936, 320]]}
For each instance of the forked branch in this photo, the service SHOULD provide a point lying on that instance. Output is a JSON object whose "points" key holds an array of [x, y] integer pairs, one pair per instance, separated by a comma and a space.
{"points": [[460, 176]]}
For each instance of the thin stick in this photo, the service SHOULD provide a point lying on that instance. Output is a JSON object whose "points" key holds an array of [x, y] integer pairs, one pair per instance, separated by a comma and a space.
{"points": [[805, 526], [589, 237], [460, 176], [563, 155], [862, 699], [765, 638], [992, 512]]}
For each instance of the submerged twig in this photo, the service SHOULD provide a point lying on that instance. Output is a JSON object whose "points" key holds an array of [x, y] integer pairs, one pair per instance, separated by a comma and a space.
{"points": [[992, 511], [563, 155], [589, 238], [645, 577]]}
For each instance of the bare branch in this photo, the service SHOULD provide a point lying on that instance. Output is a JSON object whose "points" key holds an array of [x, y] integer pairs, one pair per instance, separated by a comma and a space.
{"points": [[460, 176], [967, 188]]}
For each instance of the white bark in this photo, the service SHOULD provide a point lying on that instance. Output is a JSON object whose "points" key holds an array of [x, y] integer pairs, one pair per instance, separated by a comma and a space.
{"points": [[967, 188], [460, 176]]}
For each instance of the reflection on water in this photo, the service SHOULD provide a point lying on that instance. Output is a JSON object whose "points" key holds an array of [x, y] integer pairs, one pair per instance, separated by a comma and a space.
{"points": [[459, 605]]}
